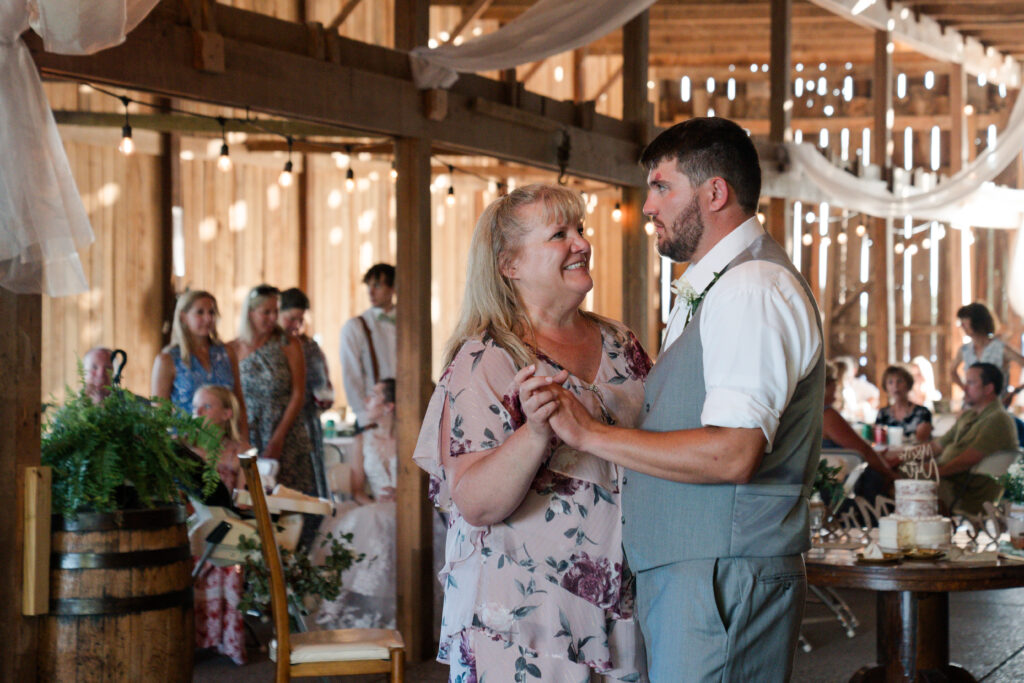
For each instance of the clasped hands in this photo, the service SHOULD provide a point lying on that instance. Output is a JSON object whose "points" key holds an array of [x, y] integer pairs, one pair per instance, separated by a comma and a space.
{"points": [[551, 409]]}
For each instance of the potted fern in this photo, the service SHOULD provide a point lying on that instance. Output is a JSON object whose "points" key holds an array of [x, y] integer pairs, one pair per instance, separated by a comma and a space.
{"points": [[119, 541]]}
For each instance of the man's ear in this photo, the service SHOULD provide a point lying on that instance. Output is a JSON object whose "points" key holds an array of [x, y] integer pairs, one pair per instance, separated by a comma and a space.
{"points": [[718, 193]]}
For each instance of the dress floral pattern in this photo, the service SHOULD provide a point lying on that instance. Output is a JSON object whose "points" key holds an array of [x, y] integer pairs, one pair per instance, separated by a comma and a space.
{"points": [[188, 378], [219, 622], [550, 579]]}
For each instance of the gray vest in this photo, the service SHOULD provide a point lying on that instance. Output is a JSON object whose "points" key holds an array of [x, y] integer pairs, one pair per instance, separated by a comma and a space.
{"points": [[665, 521]]}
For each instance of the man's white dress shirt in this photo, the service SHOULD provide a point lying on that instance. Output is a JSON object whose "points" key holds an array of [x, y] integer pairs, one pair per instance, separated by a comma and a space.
{"points": [[758, 332], [356, 366]]}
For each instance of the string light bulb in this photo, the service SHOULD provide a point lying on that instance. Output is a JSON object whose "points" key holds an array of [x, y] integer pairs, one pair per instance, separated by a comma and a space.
{"points": [[450, 197], [350, 175], [394, 171], [617, 213], [285, 179], [127, 146], [223, 161], [649, 228]]}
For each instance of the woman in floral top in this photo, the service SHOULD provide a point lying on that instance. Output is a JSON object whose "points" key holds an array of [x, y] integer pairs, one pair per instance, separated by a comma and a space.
{"points": [[535, 582]]}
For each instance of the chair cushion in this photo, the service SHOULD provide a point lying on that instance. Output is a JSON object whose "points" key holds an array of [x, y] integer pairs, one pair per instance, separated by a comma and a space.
{"points": [[342, 645]]}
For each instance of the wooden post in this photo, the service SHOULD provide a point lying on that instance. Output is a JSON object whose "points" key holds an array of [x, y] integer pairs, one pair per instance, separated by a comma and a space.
{"points": [[20, 354], [881, 324], [413, 534], [639, 296], [170, 220], [952, 280], [779, 110], [302, 236]]}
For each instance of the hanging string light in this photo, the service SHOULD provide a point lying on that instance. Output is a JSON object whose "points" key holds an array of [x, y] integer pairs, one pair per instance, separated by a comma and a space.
{"points": [[285, 179], [617, 213], [450, 198], [223, 161], [350, 175], [127, 146], [394, 171]]}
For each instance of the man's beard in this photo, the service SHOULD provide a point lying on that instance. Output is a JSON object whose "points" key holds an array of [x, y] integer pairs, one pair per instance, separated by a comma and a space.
{"points": [[683, 236]]}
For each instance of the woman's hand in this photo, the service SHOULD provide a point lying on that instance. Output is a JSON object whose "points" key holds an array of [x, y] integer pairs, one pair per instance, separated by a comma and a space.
{"points": [[537, 403], [386, 494], [273, 449]]}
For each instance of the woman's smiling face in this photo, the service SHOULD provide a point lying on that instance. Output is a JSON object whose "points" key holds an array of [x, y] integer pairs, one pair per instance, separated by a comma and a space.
{"points": [[553, 257]]}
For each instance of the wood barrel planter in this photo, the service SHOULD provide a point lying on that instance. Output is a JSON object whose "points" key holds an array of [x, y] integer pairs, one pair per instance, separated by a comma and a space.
{"points": [[120, 598]]}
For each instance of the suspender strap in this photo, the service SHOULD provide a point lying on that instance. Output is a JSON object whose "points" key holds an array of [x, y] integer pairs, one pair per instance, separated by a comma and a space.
{"points": [[373, 352]]}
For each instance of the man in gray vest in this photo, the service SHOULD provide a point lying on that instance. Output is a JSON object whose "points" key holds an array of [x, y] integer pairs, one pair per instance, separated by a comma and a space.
{"points": [[715, 494]]}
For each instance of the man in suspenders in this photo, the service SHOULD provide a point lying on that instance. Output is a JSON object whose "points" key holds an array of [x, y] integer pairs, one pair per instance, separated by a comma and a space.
{"points": [[718, 474], [368, 341]]}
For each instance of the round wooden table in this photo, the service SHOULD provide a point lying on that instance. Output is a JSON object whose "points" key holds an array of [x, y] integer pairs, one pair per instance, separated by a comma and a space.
{"points": [[913, 608]]}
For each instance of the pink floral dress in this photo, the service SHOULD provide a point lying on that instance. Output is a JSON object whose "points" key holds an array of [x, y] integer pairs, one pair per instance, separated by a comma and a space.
{"points": [[549, 582]]}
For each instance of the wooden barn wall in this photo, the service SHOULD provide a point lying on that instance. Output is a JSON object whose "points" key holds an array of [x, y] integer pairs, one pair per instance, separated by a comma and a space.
{"points": [[122, 307]]}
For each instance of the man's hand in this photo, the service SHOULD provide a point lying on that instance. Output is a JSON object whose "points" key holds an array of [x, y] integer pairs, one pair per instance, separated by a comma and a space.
{"points": [[572, 422]]}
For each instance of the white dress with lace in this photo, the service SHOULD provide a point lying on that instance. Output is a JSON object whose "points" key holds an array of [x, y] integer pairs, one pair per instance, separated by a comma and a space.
{"points": [[368, 588]]}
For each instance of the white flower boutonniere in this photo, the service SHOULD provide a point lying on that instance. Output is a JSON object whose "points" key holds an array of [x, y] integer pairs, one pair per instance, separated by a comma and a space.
{"points": [[685, 291]]}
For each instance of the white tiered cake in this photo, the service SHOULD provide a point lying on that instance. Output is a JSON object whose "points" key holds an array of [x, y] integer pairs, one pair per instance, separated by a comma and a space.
{"points": [[916, 522]]}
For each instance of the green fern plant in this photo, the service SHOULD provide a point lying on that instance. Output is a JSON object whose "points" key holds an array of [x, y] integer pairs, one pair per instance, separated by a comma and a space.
{"points": [[124, 452]]}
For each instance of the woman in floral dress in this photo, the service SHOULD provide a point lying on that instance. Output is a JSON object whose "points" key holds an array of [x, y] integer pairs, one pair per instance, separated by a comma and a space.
{"points": [[535, 582], [273, 374]]}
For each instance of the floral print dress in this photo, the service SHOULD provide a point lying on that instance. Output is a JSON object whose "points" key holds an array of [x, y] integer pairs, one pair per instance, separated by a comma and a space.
{"points": [[548, 584]]}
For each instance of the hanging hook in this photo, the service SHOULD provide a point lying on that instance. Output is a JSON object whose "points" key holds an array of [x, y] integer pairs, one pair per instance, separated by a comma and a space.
{"points": [[115, 356]]}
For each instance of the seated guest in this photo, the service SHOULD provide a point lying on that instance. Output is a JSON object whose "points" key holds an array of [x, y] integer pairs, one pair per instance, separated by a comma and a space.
{"points": [[859, 396], [837, 433], [98, 368], [923, 393], [217, 590], [982, 429], [914, 420]]}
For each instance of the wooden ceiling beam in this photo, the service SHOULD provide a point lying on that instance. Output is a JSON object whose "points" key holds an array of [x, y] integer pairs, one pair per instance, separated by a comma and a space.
{"points": [[469, 15], [366, 88], [343, 14]]}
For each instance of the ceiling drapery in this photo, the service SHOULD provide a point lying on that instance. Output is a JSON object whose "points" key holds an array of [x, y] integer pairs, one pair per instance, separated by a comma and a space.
{"points": [[42, 219], [548, 27]]}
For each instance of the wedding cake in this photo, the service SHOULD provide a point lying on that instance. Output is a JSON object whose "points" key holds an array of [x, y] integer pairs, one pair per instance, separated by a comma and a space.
{"points": [[915, 523]]}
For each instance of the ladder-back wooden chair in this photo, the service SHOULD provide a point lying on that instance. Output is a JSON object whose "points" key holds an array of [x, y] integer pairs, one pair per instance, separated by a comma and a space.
{"points": [[342, 652]]}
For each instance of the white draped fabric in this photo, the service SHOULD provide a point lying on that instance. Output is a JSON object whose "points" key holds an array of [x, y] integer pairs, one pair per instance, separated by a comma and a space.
{"points": [[967, 198], [42, 220], [548, 27]]}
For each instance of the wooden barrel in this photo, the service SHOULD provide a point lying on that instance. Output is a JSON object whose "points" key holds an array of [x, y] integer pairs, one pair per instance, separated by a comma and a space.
{"points": [[120, 598]]}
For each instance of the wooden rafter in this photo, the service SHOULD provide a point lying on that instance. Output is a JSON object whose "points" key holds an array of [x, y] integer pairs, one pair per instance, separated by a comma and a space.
{"points": [[469, 15], [343, 14]]}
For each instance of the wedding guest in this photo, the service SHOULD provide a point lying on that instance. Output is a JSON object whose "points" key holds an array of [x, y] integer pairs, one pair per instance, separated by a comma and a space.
{"points": [[923, 392], [860, 397], [319, 391], [368, 340], [984, 347], [837, 433], [217, 590], [914, 420], [196, 355], [715, 499], [981, 430], [273, 374], [98, 370], [534, 575], [368, 597]]}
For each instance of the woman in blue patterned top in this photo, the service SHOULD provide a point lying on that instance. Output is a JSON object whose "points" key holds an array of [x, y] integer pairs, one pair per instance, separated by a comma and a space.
{"points": [[196, 355], [914, 420]]}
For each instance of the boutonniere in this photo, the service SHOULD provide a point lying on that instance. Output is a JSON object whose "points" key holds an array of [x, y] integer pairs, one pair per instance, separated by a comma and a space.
{"points": [[685, 291]]}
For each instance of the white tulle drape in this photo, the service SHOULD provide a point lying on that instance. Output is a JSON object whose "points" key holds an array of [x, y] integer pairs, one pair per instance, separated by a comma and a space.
{"points": [[42, 220], [548, 27]]}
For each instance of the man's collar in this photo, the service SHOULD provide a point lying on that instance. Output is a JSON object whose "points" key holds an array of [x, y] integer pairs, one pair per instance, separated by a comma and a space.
{"points": [[700, 273]]}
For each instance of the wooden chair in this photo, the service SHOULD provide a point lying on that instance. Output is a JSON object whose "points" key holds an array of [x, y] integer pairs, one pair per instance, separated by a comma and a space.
{"points": [[343, 652]]}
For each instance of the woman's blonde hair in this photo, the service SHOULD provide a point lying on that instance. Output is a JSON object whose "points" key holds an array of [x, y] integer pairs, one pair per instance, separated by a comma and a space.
{"points": [[228, 400], [255, 298], [180, 336], [491, 304]]}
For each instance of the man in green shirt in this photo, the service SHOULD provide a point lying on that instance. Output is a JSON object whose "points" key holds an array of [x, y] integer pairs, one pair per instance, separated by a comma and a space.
{"points": [[982, 429]]}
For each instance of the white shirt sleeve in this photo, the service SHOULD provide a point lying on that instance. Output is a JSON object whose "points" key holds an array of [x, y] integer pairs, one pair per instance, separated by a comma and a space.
{"points": [[353, 344], [760, 337]]}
